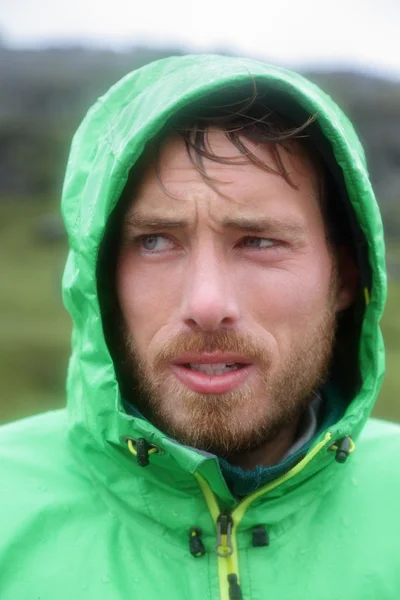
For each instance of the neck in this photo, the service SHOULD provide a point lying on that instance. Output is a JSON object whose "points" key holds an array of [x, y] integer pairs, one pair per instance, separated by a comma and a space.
{"points": [[270, 453]]}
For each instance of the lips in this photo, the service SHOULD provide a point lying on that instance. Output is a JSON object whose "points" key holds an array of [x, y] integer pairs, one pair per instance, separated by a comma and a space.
{"points": [[213, 369], [212, 373]]}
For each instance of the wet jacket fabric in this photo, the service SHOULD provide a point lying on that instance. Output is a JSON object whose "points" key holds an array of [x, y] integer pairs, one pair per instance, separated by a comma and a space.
{"points": [[81, 517]]}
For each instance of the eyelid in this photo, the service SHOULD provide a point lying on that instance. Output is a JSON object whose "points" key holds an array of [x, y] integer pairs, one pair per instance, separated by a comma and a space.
{"points": [[262, 238], [163, 236], [138, 239], [142, 236]]}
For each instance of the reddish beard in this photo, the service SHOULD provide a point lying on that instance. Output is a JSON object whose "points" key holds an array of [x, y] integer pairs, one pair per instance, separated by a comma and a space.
{"points": [[240, 420]]}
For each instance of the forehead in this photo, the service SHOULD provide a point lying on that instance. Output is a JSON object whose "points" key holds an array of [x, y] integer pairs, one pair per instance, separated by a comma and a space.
{"points": [[173, 181]]}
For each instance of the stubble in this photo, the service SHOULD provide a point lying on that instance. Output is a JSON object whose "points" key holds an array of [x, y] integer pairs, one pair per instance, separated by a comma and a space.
{"points": [[241, 420]]}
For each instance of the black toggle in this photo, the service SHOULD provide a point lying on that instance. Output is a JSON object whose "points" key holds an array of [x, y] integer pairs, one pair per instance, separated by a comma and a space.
{"points": [[196, 545], [142, 452], [235, 593], [260, 536], [343, 449]]}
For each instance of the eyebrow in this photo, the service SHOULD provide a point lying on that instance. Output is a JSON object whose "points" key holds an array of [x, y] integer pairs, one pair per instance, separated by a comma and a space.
{"points": [[264, 225], [153, 222]]}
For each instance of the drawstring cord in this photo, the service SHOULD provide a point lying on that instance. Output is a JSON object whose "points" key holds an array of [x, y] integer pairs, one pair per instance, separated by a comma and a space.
{"points": [[343, 448], [141, 449]]}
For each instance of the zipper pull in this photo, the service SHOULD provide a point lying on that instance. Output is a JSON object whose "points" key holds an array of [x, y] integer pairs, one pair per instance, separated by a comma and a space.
{"points": [[235, 593], [224, 546]]}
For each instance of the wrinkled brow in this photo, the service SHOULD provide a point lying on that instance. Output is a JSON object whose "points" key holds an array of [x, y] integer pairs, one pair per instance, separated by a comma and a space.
{"points": [[263, 225]]}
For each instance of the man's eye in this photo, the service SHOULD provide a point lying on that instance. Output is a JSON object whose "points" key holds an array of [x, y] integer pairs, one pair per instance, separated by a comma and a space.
{"points": [[258, 242], [155, 243]]}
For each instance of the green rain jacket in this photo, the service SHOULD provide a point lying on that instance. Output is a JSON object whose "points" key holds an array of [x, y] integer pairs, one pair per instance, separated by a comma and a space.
{"points": [[81, 519]]}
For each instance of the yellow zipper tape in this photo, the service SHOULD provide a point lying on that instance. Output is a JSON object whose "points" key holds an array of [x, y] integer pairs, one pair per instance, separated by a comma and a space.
{"points": [[224, 564], [229, 565], [239, 511]]}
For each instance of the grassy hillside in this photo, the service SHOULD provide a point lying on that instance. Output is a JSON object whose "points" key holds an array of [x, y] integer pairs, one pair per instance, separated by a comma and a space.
{"points": [[35, 329]]}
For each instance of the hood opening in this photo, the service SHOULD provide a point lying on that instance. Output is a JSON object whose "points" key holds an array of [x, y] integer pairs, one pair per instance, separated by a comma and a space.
{"points": [[345, 371]]}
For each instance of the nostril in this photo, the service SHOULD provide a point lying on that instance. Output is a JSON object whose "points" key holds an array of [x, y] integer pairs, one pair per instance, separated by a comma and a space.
{"points": [[209, 321], [191, 323]]}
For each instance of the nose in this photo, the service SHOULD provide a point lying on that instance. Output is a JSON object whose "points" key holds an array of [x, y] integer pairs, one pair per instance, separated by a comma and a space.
{"points": [[209, 298]]}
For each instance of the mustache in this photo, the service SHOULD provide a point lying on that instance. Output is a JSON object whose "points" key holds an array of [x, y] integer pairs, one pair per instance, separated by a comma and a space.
{"points": [[222, 341]]}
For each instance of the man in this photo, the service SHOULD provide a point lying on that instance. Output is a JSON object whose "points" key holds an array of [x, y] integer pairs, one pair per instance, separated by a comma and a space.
{"points": [[226, 281]]}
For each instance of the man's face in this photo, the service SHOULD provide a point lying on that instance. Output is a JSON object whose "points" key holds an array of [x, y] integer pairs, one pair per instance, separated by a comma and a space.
{"points": [[228, 294]]}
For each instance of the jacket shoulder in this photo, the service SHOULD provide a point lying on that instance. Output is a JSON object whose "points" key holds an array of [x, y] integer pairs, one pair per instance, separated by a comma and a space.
{"points": [[380, 437], [376, 459], [33, 441], [38, 448], [38, 468], [33, 425]]}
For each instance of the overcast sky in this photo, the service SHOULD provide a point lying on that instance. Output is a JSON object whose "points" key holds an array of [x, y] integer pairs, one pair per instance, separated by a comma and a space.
{"points": [[353, 33]]}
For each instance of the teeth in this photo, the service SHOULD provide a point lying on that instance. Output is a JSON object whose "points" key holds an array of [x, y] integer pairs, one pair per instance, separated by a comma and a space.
{"points": [[215, 368]]}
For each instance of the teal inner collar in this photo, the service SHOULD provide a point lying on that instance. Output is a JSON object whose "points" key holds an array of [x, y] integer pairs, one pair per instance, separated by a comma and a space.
{"points": [[242, 483]]}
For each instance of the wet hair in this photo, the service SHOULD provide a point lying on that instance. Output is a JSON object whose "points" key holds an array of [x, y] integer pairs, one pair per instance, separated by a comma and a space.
{"points": [[243, 120]]}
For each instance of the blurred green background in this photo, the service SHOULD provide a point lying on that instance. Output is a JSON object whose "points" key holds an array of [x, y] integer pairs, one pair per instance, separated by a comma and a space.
{"points": [[44, 95]]}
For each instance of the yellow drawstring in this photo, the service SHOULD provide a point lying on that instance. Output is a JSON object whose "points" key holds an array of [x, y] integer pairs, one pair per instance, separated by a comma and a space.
{"points": [[132, 448], [352, 446]]}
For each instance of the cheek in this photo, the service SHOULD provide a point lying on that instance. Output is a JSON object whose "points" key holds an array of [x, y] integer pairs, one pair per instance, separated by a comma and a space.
{"points": [[286, 300], [148, 296]]}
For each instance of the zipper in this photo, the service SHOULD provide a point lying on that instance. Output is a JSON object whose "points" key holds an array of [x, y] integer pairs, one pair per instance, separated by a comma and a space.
{"points": [[223, 547], [224, 550], [227, 523]]}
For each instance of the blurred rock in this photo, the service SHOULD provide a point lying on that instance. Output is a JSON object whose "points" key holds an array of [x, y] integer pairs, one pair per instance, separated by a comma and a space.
{"points": [[49, 229]]}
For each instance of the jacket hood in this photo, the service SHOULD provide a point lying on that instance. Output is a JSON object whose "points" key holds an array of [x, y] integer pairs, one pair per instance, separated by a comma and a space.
{"points": [[107, 145]]}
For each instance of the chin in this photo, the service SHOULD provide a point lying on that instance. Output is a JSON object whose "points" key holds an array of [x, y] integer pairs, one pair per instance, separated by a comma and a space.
{"points": [[215, 424]]}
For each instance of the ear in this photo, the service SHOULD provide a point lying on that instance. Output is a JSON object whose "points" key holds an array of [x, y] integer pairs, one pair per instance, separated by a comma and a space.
{"points": [[348, 277]]}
